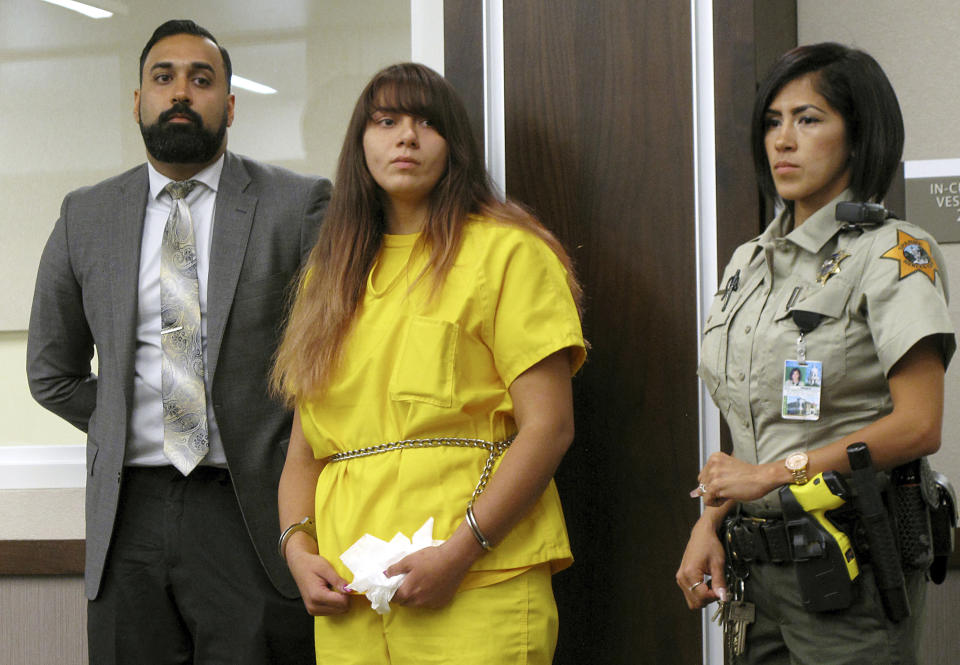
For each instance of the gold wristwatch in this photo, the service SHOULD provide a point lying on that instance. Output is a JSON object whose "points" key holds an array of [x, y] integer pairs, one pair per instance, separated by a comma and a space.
{"points": [[796, 464]]}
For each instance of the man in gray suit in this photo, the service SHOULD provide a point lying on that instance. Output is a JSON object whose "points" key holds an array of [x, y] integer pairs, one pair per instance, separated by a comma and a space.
{"points": [[181, 555]]}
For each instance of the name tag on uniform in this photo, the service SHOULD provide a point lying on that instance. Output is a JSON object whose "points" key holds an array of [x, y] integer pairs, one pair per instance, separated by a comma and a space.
{"points": [[801, 389]]}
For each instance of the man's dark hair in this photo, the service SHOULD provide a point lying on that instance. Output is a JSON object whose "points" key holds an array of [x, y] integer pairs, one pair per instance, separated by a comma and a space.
{"points": [[854, 84], [184, 27]]}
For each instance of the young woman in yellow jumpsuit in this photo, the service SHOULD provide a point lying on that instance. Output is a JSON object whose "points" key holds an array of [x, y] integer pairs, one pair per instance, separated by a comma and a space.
{"points": [[432, 312]]}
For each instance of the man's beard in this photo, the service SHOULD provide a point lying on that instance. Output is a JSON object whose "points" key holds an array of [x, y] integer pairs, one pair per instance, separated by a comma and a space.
{"points": [[183, 143]]}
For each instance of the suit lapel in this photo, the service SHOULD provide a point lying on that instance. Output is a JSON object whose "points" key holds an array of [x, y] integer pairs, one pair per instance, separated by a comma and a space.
{"points": [[232, 219], [125, 240]]}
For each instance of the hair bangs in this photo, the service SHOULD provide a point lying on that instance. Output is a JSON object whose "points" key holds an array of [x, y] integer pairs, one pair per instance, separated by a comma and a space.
{"points": [[412, 92]]}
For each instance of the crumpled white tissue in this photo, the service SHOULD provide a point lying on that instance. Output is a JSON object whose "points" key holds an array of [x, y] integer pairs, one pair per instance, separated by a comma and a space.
{"points": [[370, 556]]}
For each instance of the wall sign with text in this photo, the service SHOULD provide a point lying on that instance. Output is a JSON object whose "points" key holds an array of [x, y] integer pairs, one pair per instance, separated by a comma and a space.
{"points": [[932, 192]]}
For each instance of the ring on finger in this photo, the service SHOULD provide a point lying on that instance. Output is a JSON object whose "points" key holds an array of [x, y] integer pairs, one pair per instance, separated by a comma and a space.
{"points": [[694, 585], [702, 489]]}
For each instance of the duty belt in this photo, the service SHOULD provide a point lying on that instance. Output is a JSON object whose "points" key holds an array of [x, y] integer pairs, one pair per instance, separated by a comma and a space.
{"points": [[754, 539], [750, 539]]}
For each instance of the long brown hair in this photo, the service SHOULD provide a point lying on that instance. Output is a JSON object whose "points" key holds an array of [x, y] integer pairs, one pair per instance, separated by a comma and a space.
{"points": [[332, 282]]}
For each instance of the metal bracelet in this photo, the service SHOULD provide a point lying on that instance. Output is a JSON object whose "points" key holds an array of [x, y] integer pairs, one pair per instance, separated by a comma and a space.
{"points": [[477, 533], [306, 525], [495, 449]]}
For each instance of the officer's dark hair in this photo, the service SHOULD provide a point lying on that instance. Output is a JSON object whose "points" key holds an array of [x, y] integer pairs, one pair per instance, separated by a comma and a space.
{"points": [[855, 86], [184, 27]]}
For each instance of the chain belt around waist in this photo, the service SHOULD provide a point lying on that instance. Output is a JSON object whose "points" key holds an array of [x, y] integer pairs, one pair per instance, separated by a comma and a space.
{"points": [[494, 448]]}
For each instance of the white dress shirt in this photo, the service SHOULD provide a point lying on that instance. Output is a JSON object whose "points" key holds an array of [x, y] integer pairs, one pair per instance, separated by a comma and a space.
{"points": [[145, 437]]}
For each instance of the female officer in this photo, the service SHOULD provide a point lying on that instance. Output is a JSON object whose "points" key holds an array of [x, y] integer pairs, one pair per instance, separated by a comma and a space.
{"points": [[826, 128], [429, 311]]}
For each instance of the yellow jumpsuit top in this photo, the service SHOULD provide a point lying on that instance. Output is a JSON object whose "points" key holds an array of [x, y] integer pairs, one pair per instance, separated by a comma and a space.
{"points": [[425, 364]]}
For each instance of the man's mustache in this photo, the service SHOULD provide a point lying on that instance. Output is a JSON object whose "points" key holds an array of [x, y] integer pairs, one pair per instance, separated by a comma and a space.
{"points": [[180, 108]]}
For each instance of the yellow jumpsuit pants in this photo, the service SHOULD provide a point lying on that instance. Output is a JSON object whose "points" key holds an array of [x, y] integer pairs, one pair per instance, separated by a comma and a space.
{"points": [[514, 621]]}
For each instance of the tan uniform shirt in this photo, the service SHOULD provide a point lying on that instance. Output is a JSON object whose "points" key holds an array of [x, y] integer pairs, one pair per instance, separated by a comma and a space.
{"points": [[885, 291]]}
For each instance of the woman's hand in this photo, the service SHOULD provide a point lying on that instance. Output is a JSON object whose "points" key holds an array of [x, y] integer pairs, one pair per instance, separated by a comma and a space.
{"points": [[433, 575], [703, 556], [726, 477], [321, 588]]}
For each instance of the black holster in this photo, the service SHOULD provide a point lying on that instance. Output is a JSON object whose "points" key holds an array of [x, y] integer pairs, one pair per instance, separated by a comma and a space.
{"points": [[924, 509], [911, 514], [901, 538]]}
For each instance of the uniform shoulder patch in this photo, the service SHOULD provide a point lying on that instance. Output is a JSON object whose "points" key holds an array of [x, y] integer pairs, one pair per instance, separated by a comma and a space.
{"points": [[913, 255]]}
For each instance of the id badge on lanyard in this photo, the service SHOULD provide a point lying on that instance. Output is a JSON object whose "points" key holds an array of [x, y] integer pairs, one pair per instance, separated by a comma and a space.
{"points": [[802, 380]]}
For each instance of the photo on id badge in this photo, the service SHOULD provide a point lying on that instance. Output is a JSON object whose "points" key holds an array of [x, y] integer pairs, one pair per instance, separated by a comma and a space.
{"points": [[801, 389]]}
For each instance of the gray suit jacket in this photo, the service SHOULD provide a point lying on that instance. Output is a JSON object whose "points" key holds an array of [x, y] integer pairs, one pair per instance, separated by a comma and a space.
{"points": [[265, 222]]}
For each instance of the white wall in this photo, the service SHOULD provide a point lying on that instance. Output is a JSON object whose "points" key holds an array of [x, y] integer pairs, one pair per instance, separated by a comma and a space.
{"points": [[916, 44]]}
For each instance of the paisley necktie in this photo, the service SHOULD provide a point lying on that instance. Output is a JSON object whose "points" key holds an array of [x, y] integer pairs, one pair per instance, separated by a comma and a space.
{"points": [[184, 394]]}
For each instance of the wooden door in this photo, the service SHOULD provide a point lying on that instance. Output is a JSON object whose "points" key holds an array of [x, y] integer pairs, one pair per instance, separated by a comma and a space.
{"points": [[599, 143]]}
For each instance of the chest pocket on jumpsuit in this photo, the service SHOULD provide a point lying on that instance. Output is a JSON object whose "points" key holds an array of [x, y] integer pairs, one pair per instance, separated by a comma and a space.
{"points": [[827, 341], [425, 365]]}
